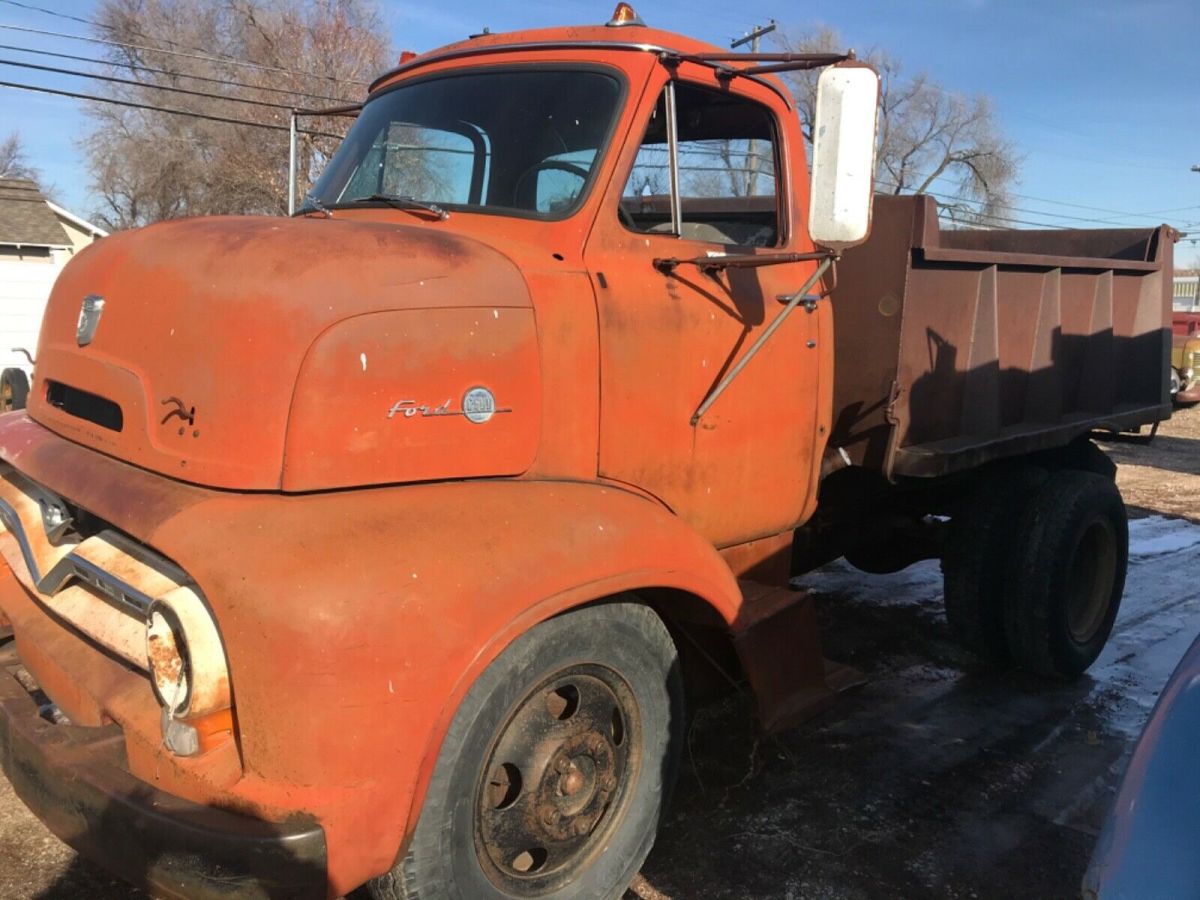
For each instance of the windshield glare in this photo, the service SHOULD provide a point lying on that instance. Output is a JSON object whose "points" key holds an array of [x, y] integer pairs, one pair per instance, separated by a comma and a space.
{"points": [[510, 141]]}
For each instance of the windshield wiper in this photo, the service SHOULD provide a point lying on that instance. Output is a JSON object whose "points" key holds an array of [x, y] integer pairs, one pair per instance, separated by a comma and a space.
{"points": [[404, 202], [312, 204]]}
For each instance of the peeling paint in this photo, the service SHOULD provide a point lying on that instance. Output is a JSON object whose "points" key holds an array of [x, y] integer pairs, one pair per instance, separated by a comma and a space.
{"points": [[362, 357]]}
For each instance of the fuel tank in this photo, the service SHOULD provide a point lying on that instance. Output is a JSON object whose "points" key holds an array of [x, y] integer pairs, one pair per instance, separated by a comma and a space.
{"points": [[256, 353]]}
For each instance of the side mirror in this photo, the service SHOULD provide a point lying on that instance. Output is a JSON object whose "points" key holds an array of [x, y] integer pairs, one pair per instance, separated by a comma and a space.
{"points": [[843, 163]]}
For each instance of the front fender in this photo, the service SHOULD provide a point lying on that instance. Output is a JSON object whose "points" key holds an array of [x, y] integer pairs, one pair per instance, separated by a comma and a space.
{"points": [[355, 622]]}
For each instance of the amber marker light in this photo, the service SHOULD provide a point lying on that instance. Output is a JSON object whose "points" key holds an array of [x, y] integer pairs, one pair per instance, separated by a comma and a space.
{"points": [[624, 15]]}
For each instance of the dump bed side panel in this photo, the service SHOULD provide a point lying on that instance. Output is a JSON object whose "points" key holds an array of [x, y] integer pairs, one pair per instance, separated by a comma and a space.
{"points": [[958, 347]]}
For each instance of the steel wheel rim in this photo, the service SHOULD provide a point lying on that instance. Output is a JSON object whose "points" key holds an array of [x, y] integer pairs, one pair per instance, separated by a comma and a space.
{"points": [[1093, 568], [557, 778]]}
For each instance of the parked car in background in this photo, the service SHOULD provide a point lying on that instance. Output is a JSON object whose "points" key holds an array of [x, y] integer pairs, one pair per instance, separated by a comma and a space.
{"points": [[1147, 847], [1185, 358]]}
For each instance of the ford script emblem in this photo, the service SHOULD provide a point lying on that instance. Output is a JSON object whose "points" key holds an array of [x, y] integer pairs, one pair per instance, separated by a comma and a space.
{"points": [[89, 318], [478, 406]]}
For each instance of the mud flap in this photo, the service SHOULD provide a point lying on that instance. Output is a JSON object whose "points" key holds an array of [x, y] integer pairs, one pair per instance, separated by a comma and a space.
{"points": [[778, 642]]}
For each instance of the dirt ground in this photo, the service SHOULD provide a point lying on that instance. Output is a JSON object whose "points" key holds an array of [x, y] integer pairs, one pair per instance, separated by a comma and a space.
{"points": [[1164, 476], [937, 779]]}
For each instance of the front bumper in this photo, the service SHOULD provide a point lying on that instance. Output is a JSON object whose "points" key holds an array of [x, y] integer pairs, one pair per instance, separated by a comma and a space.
{"points": [[75, 780]]}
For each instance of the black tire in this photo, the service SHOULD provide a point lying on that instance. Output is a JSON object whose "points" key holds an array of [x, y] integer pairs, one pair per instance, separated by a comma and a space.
{"points": [[619, 652], [14, 389], [1067, 574], [980, 544]]}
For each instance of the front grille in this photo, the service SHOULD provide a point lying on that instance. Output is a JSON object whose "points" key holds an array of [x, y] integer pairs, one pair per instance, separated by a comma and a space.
{"points": [[85, 405]]}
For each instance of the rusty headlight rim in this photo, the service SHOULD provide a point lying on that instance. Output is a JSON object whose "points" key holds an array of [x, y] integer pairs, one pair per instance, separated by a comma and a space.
{"points": [[178, 649]]}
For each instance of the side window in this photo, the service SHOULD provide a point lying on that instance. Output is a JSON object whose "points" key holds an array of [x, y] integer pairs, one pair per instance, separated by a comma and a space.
{"points": [[409, 160], [727, 151]]}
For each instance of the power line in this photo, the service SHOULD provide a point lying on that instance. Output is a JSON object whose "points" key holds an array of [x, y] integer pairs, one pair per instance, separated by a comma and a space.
{"points": [[979, 214], [222, 56], [139, 68], [201, 56], [142, 84], [48, 12], [40, 89], [1064, 216]]}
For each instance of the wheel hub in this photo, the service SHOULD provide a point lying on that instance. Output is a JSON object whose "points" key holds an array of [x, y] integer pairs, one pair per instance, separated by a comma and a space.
{"points": [[577, 786]]}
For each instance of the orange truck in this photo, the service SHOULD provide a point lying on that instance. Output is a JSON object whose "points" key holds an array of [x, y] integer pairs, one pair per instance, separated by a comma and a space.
{"points": [[383, 543]]}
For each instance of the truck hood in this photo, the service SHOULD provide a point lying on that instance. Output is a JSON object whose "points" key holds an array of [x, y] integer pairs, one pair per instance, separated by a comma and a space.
{"points": [[264, 354]]}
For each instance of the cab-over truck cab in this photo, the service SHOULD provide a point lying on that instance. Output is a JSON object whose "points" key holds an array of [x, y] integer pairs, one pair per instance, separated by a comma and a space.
{"points": [[375, 544], [342, 547]]}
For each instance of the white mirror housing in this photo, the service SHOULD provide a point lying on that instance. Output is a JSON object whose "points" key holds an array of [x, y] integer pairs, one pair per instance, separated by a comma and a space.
{"points": [[843, 163]]}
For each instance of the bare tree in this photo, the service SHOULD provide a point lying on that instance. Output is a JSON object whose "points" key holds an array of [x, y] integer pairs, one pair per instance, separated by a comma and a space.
{"points": [[148, 165], [930, 139], [13, 161]]}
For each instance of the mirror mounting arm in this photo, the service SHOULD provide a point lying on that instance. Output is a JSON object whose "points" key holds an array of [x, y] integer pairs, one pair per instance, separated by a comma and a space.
{"points": [[709, 264], [765, 335]]}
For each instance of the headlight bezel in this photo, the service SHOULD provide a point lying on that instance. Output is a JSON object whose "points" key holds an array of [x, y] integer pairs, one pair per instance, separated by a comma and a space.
{"points": [[167, 648]]}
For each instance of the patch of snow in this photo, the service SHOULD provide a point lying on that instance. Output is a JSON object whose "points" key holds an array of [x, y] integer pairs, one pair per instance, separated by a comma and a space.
{"points": [[1158, 536]]}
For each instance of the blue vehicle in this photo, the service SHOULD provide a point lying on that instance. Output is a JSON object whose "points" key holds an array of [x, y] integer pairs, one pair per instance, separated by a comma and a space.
{"points": [[1149, 846]]}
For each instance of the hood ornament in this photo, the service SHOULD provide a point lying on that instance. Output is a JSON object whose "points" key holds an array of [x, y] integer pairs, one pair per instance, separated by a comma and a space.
{"points": [[89, 319]]}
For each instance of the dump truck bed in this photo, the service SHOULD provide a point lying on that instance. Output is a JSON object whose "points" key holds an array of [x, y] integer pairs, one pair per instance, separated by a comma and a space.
{"points": [[957, 347]]}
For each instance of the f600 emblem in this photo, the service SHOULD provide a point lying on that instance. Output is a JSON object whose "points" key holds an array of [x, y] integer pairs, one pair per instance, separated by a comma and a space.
{"points": [[89, 319], [478, 405]]}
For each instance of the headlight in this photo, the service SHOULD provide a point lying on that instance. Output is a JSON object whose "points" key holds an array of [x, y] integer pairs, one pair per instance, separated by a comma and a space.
{"points": [[188, 671]]}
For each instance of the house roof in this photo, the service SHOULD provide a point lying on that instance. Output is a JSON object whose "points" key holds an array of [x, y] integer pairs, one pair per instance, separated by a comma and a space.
{"points": [[25, 218], [82, 224]]}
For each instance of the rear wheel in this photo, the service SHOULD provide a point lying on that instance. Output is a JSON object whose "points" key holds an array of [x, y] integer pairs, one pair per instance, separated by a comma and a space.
{"points": [[551, 780], [979, 549], [1067, 574]]}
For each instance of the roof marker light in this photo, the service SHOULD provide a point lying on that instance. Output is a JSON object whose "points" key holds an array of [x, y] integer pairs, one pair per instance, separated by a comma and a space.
{"points": [[407, 56], [624, 15]]}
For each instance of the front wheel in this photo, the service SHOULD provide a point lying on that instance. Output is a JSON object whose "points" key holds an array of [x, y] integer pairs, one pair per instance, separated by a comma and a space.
{"points": [[552, 778]]}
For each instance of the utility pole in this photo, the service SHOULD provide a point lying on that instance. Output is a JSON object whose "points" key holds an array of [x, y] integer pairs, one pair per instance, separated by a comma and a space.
{"points": [[752, 39]]}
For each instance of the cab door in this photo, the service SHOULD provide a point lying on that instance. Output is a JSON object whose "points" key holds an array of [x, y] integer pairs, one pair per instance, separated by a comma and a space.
{"points": [[668, 334]]}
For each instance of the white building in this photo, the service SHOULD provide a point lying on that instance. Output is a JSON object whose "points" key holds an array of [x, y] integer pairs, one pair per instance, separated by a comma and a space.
{"points": [[1186, 292], [37, 238]]}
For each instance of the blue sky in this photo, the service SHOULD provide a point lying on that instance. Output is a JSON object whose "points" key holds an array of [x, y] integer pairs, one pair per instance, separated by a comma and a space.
{"points": [[1101, 97]]}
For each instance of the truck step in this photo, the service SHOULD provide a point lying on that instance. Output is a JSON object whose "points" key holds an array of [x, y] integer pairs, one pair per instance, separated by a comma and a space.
{"points": [[778, 641]]}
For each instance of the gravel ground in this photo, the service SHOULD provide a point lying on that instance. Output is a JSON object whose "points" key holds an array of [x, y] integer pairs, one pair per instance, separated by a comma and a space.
{"points": [[937, 779]]}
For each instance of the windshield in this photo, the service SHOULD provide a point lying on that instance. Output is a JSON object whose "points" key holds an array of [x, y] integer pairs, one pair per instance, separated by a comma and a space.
{"points": [[514, 141]]}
